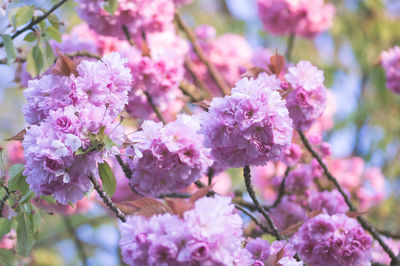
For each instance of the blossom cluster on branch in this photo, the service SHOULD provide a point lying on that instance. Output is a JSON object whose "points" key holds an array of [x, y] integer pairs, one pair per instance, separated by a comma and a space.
{"points": [[132, 103]]}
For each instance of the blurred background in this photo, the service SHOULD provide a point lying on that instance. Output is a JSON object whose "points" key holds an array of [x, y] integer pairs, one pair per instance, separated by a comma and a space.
{"points": [[367, 118]]}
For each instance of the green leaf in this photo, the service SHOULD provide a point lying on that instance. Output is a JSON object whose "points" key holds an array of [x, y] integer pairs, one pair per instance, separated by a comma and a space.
{"points": [[49, 55], [5, 226], [53, 19], [17, 179], [7, 257], [107, 178], [34, 62], [30, 37], [54, 33], [22, 16], [37, 221], [80, 151], [8, 44], [27, 196], [25, 233], [42, 25], [111, 6], [108, 143]]}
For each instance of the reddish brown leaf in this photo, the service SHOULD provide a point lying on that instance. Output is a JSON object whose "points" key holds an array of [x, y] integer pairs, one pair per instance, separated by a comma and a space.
{"points": [[277, 63], [205, 103], [19, 136], [65, 66], [179, 206], [292, 229], [279, 256], [146, 207], [202, 192], [353, 214], [314, 213], [254, 72]]}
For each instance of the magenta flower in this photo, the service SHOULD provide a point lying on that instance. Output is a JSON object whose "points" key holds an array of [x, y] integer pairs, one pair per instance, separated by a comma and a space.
{"points": [[249, 127]]}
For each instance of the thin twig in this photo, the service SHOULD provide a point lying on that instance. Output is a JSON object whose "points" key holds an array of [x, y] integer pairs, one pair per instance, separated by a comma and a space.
{"points": [[281, 190], [125, 168], [84, 54], [289, 47], [127, 35], [187, 89], [154, 107], [75, 54], [360, 219], [3, 200], [79, 245], [256, 221], [106, 199], [175, 195], [36, 21], [252, 194], [214, 73], [201, 84], [210, 175], [388, 233]]}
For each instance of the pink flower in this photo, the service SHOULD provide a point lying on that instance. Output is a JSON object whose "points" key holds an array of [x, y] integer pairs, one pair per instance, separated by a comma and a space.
{"points": [[333, 240], [249, 127], [137, 16], [307, 101], [173, 156], [306, 18], [391, 63]]}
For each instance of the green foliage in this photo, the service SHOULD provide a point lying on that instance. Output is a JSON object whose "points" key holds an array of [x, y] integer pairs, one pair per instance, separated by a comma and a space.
{"points": [[54, 33], [5, 226], [25, 231], [30, 37], [17, 179], [35, 61], [8, 44], [111, 6], [107, 178], [7, 258], [21, 16]]}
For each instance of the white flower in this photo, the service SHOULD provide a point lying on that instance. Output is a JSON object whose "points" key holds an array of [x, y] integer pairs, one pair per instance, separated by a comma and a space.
{"points": [[66, 178], [61, 150], [73, 142]]}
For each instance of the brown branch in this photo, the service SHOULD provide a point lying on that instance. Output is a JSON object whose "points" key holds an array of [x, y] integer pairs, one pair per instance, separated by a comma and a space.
{"points": [[252, 194], [281, 192], [360, 219], [77, 241], [154, 107], [127, 35], [106, 199], [255, 220], [388, 233], [200, 83], [125, 168], [36, 21], [289, 47], [214, 73], [84, 54], [188, 90]]}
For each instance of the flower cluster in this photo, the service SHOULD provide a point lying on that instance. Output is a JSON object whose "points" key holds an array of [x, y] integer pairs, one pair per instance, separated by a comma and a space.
{"points": [[209, 234], [307, 101], [159, 75], [137, 16], [278, 253], [249, 127], [333, 240], [173, 156], [304, 17], [391, 63], [72, 125]]}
